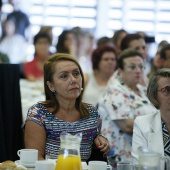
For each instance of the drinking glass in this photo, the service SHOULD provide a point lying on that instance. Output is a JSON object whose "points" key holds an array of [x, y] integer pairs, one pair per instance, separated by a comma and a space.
{"points": [[97, 165], [51, 159], [124, 166], [44, 165]]}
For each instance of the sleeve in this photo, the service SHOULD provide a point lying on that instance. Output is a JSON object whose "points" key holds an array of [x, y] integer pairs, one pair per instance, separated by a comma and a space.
{"points": [[29, 68], [34, 114], [116, 105], [138, 139]]}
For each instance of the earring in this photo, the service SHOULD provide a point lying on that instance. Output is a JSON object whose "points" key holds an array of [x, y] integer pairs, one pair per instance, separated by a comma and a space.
{"points": [[54, 92]]}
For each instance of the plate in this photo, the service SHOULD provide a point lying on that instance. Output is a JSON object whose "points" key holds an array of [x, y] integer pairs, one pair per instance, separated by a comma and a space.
{"points": [[21, 166], [18, 162]]}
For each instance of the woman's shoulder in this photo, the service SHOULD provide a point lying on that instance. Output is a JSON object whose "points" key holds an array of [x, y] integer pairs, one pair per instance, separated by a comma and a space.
{"points": [[38, 107], [32, 62], [90, 106], [147, 119], [92, 110]]}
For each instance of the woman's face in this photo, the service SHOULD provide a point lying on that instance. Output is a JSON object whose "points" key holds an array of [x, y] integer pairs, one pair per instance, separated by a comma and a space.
{"points": [[69, 41], [67, 81], [133, 70], [157, 61], [42, 47], [140, 46], [163, 98], [9, 28], [108, 63]]}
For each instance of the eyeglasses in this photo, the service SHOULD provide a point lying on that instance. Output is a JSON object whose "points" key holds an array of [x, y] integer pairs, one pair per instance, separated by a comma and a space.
{"points": [[134, 67], [165, 90]]}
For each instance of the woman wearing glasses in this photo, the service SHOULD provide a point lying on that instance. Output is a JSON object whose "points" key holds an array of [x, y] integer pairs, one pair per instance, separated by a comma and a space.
{"points": [[123, 101], [153, 131]]}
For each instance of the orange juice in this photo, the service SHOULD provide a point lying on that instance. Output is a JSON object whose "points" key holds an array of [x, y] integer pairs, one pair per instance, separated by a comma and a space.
{"points": [[70, 162]]}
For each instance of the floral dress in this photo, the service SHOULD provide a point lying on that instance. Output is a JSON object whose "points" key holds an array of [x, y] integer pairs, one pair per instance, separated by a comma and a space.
{"points": [[120, 102]]}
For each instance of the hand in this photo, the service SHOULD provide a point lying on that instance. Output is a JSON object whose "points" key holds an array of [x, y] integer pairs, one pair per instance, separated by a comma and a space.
{"points": [[103, 144]]}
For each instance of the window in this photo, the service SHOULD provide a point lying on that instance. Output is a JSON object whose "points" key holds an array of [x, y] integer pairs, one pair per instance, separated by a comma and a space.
{"points": [[63, 14], [102, 17], [150, 16]]}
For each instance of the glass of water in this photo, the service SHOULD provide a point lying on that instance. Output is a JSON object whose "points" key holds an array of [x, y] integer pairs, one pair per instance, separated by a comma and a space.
{"points": [[124, 166]]}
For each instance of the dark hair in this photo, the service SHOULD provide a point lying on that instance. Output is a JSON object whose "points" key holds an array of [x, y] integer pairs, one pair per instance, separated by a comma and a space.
{"points": [[127, 39], [41, 35], [11, 19], [46, 29], [163, 43], [116, 35], [163, 51], [104, 41], [152, 89], [60, 47], [128, 53], [98, 53], [49, 70]]}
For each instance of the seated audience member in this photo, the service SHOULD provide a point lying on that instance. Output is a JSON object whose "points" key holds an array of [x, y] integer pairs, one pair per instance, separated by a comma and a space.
{"points": [[165, 56], [150, 41], [22, 23], [81, 38], [47, 30], [33, 70], [104, 41], [136, 42], [85, 60], [117, 38], [84, 48], [12, 43], [104, 63], [63, 110], [157, 62], [152, 131], [66, 43], [123, 101]]}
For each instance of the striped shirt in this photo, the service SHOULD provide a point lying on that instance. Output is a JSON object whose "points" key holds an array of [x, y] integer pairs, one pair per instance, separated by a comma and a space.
{"points": [[39, 114]]}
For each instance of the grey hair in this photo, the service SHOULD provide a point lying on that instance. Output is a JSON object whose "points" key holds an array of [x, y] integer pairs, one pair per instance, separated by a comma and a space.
{"points": [[152, 89]]}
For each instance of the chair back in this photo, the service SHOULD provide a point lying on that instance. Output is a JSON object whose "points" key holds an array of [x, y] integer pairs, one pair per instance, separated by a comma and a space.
{"points": [[11, 134]]}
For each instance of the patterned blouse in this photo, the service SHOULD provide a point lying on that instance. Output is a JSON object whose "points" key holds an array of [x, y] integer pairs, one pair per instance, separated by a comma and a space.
{"points": [[120, 102], [39, 114], [166, 139]]}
